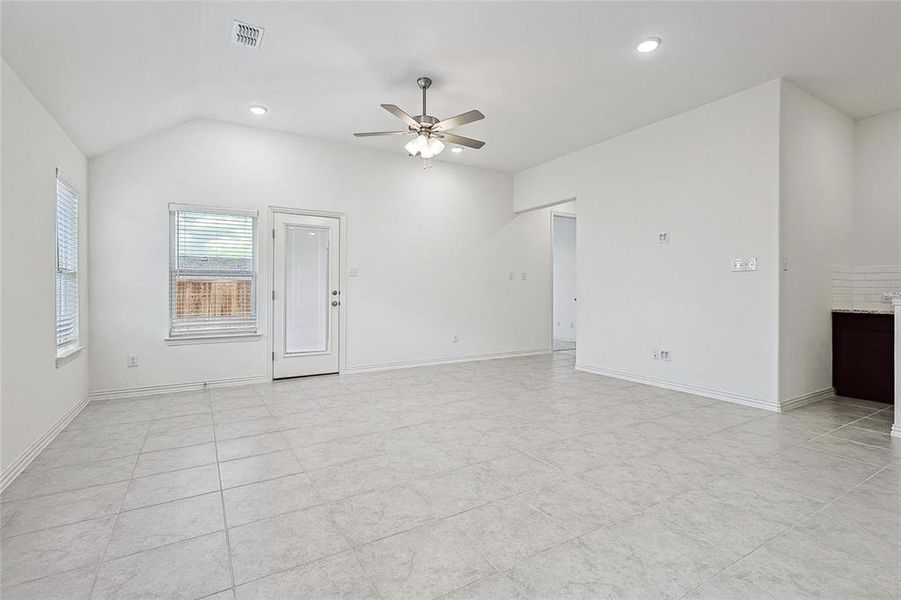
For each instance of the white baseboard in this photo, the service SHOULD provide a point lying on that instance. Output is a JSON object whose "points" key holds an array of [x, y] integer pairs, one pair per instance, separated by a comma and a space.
{"points": [[765, 404], [407, 364], [29, 454], [168, 388], [896, 430], [805, 399]]}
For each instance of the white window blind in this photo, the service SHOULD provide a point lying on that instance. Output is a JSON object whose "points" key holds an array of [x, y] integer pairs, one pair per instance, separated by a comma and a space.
{"points": [[212, 273], [66, 265]]}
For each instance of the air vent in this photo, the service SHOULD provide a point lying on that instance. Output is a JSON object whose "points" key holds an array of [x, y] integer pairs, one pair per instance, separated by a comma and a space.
{"points": [[246, 35]]}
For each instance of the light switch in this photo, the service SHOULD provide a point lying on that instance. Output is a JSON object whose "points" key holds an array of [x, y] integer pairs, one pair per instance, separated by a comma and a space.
{"points": [[353, 271], [743, 264]]}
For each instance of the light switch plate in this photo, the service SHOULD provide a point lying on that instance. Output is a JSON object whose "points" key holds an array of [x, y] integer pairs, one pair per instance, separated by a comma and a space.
{"points": [[744, 264], [353, 271]]}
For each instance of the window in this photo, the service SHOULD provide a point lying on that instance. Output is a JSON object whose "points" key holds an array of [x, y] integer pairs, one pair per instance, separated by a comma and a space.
{"points": [[212, 272], [66, 267]]}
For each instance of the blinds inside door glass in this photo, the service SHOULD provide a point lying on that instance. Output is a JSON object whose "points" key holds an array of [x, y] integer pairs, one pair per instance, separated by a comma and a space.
{"points": [[306, 289], [66, 264], [212, 272]]}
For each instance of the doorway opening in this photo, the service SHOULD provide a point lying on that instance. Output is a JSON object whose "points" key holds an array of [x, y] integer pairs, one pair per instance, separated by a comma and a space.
{"points": [[563, 244]]}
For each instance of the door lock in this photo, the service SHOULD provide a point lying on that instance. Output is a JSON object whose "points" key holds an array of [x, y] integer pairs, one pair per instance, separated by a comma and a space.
{"points": [[334, 303], [334, 292]]}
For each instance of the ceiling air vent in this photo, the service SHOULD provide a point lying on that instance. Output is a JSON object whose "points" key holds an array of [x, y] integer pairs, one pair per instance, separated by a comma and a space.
{"points": [[246, 35]]}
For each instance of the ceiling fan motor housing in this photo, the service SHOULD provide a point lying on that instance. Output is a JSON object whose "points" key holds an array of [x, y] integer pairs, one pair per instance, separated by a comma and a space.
{"points": [[430, 130], [426, 120]]}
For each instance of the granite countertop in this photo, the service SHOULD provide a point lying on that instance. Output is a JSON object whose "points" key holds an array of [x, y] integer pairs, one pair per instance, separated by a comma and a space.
{"points": [[864, 311]]}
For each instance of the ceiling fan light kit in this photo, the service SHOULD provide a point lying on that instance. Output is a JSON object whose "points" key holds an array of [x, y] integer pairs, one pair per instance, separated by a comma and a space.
{"points": [[431, 133]]}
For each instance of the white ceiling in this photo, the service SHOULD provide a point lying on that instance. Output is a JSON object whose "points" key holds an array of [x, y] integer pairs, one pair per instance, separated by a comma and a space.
{"points": [[550, 77]]}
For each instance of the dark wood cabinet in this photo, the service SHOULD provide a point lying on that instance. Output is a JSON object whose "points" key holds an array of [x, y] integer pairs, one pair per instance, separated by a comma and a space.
{"points": [[863, 355]]}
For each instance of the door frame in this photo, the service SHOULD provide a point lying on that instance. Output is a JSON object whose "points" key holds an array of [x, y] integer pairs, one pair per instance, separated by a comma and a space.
{"points": [[565, 215], [342, 280]]}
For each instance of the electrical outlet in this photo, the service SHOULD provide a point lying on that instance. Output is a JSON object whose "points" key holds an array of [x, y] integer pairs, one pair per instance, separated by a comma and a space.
{"points": [[131, 360], [656, 354], [456, 338], [663, 237], [510, 275], [664, 355], [522, 275]]}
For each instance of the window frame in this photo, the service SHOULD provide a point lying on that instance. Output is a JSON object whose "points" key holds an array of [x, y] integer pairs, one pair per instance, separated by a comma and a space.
{"points": [[177, 336], [66, 350]]}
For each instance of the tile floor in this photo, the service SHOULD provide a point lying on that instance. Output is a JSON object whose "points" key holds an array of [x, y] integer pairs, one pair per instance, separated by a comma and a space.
{"points": [[564, 344], [512, 478]]}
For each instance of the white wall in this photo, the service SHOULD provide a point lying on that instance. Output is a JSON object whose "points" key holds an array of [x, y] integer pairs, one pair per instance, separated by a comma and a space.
{"points": [[433, 248], [877, 191], [35, 393], [565, 293], [817, 211], [709, 177]]}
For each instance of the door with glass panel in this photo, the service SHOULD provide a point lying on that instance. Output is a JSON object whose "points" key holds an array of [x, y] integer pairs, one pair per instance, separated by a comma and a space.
{"points": [[306, 297]]}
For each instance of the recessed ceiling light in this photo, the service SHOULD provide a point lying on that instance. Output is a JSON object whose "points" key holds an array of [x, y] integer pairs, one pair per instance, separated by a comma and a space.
{"points": [[258, 109], [648, 45], [456, 150]]}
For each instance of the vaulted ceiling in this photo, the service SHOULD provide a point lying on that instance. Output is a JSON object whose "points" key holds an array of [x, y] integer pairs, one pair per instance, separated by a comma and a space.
{"points": [[550, 77]]}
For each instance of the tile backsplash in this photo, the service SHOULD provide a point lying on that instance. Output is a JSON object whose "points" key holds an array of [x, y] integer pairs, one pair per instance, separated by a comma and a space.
{"points": [[863, 287]]}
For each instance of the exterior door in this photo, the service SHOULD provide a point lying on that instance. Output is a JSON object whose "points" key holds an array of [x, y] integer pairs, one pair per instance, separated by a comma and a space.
{"points": [[306, 296]]}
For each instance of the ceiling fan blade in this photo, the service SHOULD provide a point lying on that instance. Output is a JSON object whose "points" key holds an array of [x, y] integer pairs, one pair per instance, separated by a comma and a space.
{"points": [[373, 133], [467, 117], [462, 141], [397, 112]]}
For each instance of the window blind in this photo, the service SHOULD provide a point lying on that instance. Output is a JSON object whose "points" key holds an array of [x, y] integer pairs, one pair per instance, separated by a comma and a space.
{"points": [[212, 275], [66, 264]]}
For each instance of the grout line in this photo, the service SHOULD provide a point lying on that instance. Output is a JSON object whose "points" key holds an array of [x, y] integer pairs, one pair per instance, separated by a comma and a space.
{"points": [[228, 546], [112, 530], [789, 528]]}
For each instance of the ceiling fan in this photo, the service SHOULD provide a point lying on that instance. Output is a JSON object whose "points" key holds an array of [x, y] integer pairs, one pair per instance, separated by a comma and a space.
{"points": [[429, 131]]}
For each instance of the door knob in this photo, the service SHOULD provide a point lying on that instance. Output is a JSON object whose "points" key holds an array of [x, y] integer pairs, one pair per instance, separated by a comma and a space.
{"points": [[334, 303], [334, 292]]}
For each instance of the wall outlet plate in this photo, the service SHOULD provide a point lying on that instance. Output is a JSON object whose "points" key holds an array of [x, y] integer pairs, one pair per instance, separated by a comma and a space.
{"points": [[663, 237], [744, 264], [664, 355]]}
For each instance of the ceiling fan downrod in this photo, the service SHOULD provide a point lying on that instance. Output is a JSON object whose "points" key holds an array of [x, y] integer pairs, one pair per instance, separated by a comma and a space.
{"points": [[423, 83]]}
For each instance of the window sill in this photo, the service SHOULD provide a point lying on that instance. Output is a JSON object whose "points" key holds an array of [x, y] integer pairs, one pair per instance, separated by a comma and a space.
{"points": [[188, 340], [67, 355]]}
